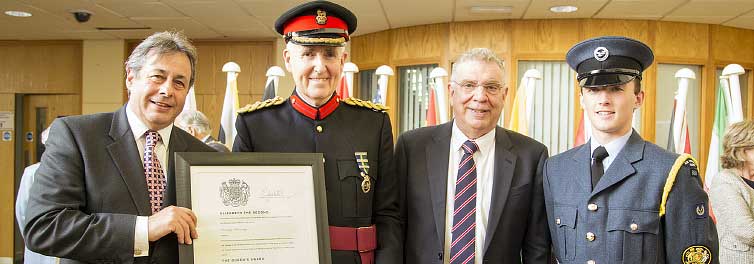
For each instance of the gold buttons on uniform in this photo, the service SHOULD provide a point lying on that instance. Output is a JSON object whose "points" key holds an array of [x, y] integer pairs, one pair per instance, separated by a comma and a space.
{"points": [[590, 236], [634, 227], [319, 129], [557, 221], [591, 262], [592, 207]]}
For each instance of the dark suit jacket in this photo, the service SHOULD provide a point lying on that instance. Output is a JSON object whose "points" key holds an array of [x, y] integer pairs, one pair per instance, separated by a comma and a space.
{"points": [[516, 231], [90, 187]]}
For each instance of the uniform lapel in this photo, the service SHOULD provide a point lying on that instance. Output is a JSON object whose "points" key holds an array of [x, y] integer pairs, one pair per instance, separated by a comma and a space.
{"points": [[125, 155], [505, 164], [437, 153], [622, 166], [582, 159]]}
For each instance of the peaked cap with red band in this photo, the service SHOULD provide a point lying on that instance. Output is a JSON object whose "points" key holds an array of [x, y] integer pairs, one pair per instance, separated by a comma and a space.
{"points": [[317, 23]]}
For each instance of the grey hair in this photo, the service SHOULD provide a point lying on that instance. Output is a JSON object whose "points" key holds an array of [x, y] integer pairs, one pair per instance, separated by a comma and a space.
{"points": [[43, 136], [194, 119], [162, 43], [478, 54]]}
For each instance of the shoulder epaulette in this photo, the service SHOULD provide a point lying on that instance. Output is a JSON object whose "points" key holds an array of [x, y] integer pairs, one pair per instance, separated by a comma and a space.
{"points": [[261, 104], [683, 159], [365, 104]]}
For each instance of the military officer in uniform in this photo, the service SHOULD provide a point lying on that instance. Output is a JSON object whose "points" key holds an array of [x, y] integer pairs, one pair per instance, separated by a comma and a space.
{"points": [[619, 198], [355, 136]]}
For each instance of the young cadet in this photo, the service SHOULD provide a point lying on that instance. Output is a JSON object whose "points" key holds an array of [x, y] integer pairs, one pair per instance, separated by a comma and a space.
{"points": [[619, 198]]}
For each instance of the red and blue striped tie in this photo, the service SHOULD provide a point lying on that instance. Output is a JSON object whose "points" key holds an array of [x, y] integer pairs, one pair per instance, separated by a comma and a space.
{"points": [[464, 214]]}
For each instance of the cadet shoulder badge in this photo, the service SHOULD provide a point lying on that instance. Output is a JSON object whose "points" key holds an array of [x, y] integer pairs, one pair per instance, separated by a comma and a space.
{"points": [[261, 104], [365, 104], [697, 255]]}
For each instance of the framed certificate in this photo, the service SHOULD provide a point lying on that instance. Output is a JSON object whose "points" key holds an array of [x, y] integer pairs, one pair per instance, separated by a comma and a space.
{"points": [[254, 208]]}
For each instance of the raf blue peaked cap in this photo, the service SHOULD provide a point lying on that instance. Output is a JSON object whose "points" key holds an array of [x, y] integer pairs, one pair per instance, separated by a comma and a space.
{"points": [[610, 60]]}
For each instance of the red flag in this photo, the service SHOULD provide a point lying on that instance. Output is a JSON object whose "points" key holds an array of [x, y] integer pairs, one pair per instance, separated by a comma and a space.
{"points": [[343, 89], [431, 109]]}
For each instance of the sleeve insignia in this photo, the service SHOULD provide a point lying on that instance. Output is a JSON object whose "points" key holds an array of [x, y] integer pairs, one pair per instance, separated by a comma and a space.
{"points": [[261, 104], [697, 255], [365, 104]]}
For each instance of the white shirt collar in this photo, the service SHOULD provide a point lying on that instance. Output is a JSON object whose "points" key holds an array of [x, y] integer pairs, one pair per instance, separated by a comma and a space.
{"points": [[139, 128], [614, 147], [458, 138]]}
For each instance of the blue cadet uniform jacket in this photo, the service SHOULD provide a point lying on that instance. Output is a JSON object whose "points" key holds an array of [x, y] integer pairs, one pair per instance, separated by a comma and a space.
{"points": [[621, 220], [345, 131]]}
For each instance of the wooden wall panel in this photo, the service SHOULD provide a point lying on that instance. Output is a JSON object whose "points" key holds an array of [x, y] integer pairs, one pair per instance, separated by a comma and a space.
{"points": [[41, 67], [7, 184], [636, 29], [540, 38], [418, 43], [371, 50], [494, 35], [729, 44], [675, 41]]}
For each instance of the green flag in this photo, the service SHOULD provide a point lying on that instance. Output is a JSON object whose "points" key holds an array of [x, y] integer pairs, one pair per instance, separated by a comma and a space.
{"points": [[718, 130]]}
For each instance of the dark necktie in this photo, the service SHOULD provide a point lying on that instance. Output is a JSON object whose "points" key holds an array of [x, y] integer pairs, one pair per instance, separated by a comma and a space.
{"points": [[599, 154], [153, 171], [464, 204]]}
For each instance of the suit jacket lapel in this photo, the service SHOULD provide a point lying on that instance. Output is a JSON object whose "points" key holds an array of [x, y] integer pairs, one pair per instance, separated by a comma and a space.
{"points": [[622, 166], [582, 162], [125, 155], [505, 164], [437, 153], [177, 144]]}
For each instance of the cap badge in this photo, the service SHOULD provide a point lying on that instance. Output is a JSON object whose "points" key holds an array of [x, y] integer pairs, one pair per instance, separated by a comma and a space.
{"points": [[321, 17], [601, 53]]}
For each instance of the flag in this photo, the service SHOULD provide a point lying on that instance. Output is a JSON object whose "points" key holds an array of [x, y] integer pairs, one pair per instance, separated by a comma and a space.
{"points": [[519, 120], [230, 107], [269, 89], [584, 130], [343, 89], [432, 108], [190, 104], [718, 130], [684, 145]]}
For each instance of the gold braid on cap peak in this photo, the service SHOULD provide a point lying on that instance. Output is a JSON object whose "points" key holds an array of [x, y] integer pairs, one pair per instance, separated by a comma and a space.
{"points": [[339, 40], [365, 104], [261, 104]]}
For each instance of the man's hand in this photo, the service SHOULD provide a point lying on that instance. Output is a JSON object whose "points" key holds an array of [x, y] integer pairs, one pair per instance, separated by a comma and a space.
{"points": [[173, 219]]}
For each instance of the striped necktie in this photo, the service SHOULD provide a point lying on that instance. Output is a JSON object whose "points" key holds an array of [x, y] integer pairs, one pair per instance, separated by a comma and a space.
{"points": [[464, 214], [153, 171]]}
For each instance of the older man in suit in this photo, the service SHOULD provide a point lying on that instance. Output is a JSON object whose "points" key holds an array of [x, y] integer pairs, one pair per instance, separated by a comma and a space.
{"points": [[619, 198], [471, 190], [105, 189]]}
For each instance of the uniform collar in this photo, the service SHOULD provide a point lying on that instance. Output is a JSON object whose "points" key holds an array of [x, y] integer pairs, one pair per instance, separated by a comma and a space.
{"points": [[315, 113]]}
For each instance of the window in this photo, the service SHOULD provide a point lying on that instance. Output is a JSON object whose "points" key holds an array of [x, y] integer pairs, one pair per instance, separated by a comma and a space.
{"points": [[667, 87], [552, 121], [367, 85], [413, 85]]}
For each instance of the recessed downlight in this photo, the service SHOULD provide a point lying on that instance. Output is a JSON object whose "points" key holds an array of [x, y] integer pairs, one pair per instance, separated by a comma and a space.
{"points": [[563, 9], [15, 13]]}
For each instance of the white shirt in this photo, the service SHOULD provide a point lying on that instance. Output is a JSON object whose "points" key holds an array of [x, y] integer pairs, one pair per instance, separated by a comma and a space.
{"points": [[613, 148], [484, 159], [138, 128]]}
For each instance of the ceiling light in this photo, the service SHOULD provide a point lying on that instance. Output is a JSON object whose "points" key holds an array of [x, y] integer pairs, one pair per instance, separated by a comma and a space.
{"points": [[14, 13], [491, 9], [563, 9]]}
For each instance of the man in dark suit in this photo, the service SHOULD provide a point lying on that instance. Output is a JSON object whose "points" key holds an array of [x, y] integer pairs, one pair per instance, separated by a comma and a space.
{"points": [[471, 190], [197, 124], [619, 198], [354, 136], [105, 189]]}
